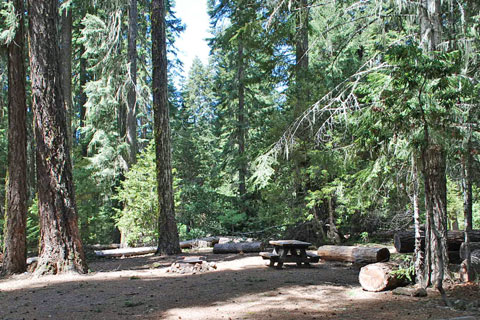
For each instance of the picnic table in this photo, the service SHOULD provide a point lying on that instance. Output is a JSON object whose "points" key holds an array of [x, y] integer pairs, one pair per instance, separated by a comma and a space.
{"points": [[289, 251]]}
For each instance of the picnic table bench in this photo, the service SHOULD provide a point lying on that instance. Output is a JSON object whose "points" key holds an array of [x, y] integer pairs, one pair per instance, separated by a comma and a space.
{"points": [[289, 251]]}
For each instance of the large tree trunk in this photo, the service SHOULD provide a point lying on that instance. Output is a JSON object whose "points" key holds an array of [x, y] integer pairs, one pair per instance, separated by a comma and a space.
{"points": [[61, 248], [15, 254], [378, 277], [434, 167], [168, 242], [353, 254], [66, 67], [131, 131]]}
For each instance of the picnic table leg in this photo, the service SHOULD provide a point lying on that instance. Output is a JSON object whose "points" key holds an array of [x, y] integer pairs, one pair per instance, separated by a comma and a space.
{"points": [[282, 257], [303, 255]]}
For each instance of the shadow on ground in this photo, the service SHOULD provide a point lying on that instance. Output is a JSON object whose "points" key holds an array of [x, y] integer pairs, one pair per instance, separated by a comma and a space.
{"points": [[326, 291]]}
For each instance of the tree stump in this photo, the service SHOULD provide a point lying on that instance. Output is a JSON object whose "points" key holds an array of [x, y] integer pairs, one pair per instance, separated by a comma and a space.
{"points": [[379, 277]]}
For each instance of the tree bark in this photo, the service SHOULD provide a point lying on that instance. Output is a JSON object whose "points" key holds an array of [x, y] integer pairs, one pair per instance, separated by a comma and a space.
{"points": [[467, 207], [168, 242], [131, 132], [332, 228], [66, 67], [378, 277], [15, 253], [434, 172], [241, 126], [353, 254], [419, 253], [61, 248]]}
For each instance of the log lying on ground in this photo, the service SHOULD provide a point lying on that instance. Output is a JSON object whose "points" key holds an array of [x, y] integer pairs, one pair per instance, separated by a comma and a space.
{"points": [[378, 277], [404, 241], [233, 247], [199, 243], [125, 252], [103, 246], [354, 254], [473, 247]]}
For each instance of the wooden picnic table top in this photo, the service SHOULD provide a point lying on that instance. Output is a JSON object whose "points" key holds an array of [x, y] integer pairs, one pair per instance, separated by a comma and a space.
{"points": [[290, 243]]}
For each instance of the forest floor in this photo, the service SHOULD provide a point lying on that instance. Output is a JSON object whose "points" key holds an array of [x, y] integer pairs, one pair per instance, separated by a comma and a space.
{"points": [[241, 287]]}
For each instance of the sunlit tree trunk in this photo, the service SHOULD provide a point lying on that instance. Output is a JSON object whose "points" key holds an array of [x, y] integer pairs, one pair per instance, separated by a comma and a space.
{"points": [[168, 242], [61, 248], [419, 254], [301, 56], [15, 253]]}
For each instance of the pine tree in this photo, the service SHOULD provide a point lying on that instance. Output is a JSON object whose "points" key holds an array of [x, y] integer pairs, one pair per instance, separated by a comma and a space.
{"points": [[168, 242]]}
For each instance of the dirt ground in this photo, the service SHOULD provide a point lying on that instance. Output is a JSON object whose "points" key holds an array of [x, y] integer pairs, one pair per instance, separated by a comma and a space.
{"points": [[241, 287]]}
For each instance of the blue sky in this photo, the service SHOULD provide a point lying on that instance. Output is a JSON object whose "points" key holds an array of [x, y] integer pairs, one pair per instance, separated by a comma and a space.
{"points": [[192, 42]]}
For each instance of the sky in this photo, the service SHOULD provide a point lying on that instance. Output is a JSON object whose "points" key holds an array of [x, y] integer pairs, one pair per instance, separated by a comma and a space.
{"points": [[192, 41]]}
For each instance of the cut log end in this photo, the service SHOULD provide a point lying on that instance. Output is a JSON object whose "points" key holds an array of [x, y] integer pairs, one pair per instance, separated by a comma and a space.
{"points": [[379, 277]]}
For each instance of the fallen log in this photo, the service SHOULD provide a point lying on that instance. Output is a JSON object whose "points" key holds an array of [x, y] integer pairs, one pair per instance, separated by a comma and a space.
{"points": [[103, 246], [125, 252], [380, 276], [199, 243], [473, 247], [233, 247], [354, 254], [404, 241]]}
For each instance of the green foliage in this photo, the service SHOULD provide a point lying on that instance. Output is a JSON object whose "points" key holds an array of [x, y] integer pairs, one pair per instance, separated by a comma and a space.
{"points": [[9, 23], [138, 194], [33, 227], [406, 269]]}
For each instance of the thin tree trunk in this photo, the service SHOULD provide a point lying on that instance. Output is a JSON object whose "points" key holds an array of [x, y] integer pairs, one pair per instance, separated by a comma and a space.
{"points": [[467, 207], [419, 254], [15, 254], [61, 248], [83, 98], [168, 242], [241, 126], [66, 67], [132, 92], [332, 229]]}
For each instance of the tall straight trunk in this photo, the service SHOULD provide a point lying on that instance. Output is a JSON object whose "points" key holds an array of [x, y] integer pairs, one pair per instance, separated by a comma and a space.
{"points": [[241, 125], [434, 164], [82, 101], [467, 205], [61, 248], [419, 254], [168, 242], [66, 67], [434, 172], [16, 209], [131, 122], [301, 55]]}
